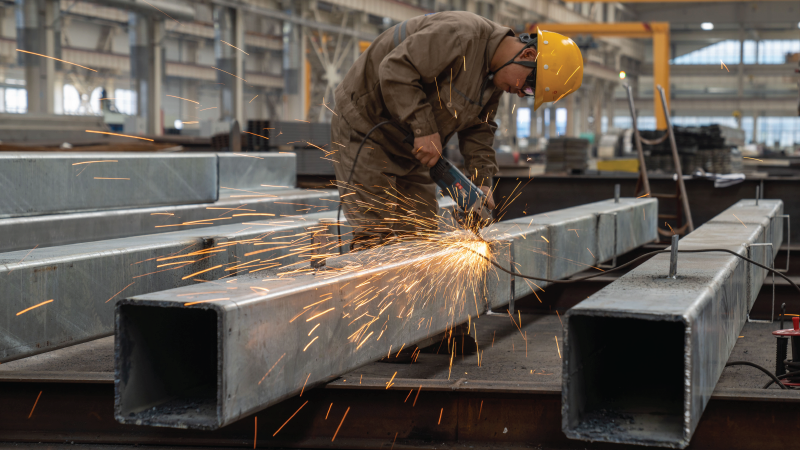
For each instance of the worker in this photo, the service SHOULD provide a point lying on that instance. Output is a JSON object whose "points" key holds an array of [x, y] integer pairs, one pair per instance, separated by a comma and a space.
{"points": [[433, 76]]}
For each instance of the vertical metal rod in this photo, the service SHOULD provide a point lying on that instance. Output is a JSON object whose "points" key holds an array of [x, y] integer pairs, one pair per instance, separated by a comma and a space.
{"points": [[513, 278], [637, 139], [684, 196], [616, 193], [673, 257], [757, 193]]}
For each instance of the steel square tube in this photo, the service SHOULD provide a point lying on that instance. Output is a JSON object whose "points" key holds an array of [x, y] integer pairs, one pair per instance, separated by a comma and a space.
{"points": [[25, 233], [35, 183], [268, 342], [259, 172], [643, 355], [561, 243], [82, 279]]}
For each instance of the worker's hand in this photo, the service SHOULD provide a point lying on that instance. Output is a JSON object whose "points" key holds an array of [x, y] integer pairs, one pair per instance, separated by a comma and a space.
{"points": [[428, 149], [489, 200]]}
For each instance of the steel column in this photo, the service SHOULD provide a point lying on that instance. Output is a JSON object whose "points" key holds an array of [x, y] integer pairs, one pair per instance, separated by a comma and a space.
{"points": [[644, 354]]}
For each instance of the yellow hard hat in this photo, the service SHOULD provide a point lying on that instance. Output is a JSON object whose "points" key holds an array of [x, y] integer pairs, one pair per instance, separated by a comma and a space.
{"points": [[559, 67]]}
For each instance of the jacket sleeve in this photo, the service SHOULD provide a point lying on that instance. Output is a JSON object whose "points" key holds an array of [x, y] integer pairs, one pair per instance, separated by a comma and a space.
{"points": [[418, 60], [476, 142]]}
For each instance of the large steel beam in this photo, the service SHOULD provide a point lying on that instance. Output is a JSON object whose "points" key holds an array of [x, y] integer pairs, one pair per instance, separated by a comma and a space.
{"points": [[25, 233], [36, 183], [84, 280], [195, 357], [643, 355]]}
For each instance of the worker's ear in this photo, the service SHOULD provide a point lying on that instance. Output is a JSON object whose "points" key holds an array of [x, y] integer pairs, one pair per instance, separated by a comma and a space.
{"points": [[528, 54]]}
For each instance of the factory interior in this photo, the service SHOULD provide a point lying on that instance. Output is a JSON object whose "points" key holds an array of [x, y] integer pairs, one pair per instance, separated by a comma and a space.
{"points": [[399, 224]]}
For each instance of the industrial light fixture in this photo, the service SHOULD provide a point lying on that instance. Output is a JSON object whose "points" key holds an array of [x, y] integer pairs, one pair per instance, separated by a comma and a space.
{"points": [[622, 75], [708, 26]]}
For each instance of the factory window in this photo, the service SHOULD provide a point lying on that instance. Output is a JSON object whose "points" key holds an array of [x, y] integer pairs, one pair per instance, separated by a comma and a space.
{"points": [[523, 123], [765, 52], [776, 51], [125, 101], [561, 121], [778, 131], [725, 51], [94, 100], [16, 100]]}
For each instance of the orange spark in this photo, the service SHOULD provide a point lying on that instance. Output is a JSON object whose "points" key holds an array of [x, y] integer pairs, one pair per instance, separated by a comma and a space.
{"points": [[340, 424], [389, 384], [92, 162], [304, 384], [740, 220], [26, 254], [645, 195], [206, 301], [722, 64], [206, 109], [237, 48], [290, 418], [60, 60], [416, 396], [754, 159], [558, 348], [256, 134], [323, 312], [270, 370], [480, 410], [181, 98], [251, 100], [103, 178], [329, 411], [186, 123], [312, 341], [255, 436], [162, 12], [126, 287], [202, 271], [34, 404], [116, 134], [440, 417], [298, 120], [34, 306], [230, 74]]}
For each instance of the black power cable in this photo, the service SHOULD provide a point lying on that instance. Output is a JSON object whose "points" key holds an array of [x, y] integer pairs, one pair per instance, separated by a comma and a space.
{"points": [[646, 255], [775, 379], [350, 178], [748, 363], [780, 377]]}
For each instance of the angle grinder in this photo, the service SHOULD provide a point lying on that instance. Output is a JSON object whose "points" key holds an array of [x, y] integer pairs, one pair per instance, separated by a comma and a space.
{"points": [[468, 197]]}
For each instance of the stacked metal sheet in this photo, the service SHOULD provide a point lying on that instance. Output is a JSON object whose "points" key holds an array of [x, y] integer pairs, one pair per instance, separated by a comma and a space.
{"points": [[569, 155], [253, 143], [712, 148]]}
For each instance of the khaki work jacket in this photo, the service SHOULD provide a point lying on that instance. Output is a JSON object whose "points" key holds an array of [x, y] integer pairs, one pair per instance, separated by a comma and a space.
{"points": [[427, 73]]}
